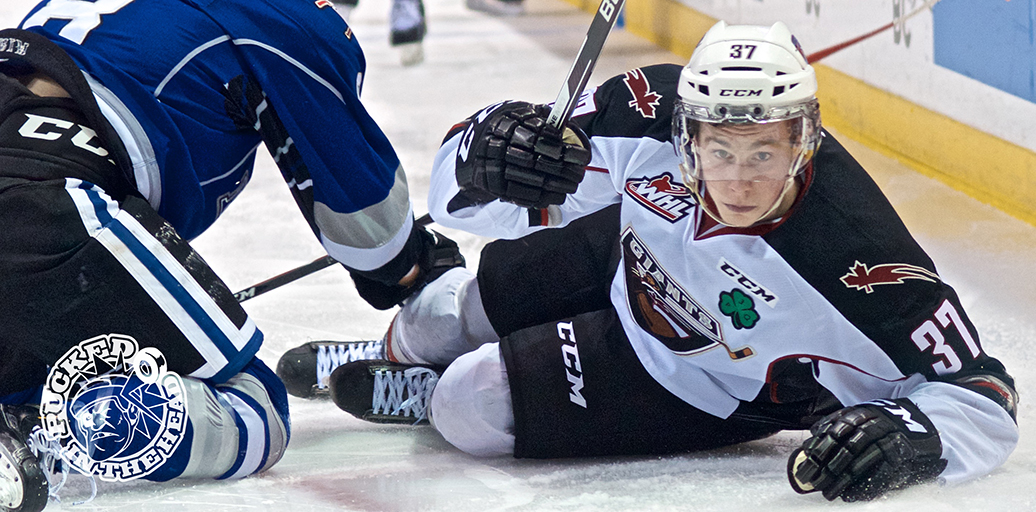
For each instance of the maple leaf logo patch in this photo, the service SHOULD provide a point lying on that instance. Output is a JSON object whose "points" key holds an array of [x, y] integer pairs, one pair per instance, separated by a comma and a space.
{"points": [[644, 99], [862, 277]]}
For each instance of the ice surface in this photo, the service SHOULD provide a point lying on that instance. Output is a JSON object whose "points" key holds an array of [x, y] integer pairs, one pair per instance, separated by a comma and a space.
{"points": [[336, 462]]}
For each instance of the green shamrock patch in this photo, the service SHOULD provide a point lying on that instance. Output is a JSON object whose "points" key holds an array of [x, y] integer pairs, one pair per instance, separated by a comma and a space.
{"points": [[739, 307]]}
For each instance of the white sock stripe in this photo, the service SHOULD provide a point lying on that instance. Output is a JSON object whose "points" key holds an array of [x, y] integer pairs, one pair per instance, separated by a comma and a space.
{"points": [[256, 434]]}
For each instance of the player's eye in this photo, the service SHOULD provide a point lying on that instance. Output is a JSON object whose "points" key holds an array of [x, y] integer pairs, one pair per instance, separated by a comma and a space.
{"points": [[722, 154]]}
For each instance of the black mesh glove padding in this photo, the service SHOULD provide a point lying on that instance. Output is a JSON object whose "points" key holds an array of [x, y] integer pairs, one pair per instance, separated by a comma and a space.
{"points": [[509, 152]]}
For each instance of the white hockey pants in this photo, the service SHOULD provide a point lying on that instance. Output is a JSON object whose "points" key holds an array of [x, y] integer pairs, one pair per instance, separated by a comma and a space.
{"points": [[441, 322], [471, 404]]}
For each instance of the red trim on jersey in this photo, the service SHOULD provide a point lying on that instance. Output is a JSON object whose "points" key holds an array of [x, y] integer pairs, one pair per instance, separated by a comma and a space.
{"points": [[995, 387], [597, 169], [815, 358]]}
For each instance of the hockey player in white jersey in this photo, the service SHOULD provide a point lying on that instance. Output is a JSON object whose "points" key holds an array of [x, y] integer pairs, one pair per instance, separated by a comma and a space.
{"points": [[726, 270], [127, 127]]}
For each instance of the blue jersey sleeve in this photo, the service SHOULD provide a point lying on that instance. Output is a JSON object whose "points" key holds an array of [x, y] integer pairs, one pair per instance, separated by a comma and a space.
{"points": [[339, 163], [170, 93]]}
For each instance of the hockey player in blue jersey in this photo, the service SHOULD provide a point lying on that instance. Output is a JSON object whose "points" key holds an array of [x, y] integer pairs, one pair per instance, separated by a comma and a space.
{"points": [[725, 270], [126, 128]]}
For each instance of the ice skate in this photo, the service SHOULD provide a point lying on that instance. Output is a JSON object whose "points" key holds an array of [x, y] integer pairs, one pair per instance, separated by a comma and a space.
{"points": [[407, 30], [23, 485], [305, 369], [383, 391], [497, 7]]}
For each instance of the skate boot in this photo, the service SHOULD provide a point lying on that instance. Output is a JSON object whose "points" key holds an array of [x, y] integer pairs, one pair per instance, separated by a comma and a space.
{"points": [[306, 368], [407, 30], [383, 391], [23, 486]]}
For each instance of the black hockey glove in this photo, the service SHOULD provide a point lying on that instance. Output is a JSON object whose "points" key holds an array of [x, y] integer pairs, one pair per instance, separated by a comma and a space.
{"points": [[509, 152], [864, 451], [437, 254]]}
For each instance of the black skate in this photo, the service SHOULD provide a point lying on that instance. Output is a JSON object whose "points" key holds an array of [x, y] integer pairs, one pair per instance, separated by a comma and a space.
{"points": [[407, 30], [384, 392], [23, 486], [306, 368]]}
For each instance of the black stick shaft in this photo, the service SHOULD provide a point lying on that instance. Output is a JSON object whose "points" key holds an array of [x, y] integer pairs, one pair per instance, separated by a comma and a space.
{"points": [[299, 272], [285, 278], [579, 75]]}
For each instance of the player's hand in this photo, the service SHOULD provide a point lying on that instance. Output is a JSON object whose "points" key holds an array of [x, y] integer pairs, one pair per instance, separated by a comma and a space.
{"points": [[864, 451], [509, 152], [435, 253]]}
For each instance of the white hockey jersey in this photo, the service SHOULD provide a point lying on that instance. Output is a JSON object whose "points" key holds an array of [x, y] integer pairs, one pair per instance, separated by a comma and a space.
{"points": [[715, 313]]}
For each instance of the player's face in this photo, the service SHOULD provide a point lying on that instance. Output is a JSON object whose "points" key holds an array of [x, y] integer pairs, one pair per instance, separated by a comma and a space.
{"points": [[745, 168]]}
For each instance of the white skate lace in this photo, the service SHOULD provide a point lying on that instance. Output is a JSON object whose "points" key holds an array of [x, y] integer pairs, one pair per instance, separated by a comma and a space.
{"points": [[332, 356], [51, 454], [389, 388]]}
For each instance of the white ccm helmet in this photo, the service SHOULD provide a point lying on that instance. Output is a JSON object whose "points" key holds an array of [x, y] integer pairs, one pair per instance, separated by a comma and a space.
{"points": [[742, 74]]}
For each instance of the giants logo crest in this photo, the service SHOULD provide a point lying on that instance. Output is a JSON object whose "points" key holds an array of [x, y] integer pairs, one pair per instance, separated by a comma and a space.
{"points": [[644, 99], [661, 196], [664, 309], [865, 278]]}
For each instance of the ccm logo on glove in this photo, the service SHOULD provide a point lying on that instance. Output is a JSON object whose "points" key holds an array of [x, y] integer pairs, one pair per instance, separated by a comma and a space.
{"points": [[864, 451], [509, 152]]}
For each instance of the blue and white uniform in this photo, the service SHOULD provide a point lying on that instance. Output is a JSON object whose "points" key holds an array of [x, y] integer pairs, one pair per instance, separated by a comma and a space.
{"points": [[100, 192], [160, 70]]}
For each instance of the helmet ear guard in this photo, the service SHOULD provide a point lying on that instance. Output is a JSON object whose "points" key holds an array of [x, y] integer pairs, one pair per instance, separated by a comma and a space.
{"points": [[739, 75]]}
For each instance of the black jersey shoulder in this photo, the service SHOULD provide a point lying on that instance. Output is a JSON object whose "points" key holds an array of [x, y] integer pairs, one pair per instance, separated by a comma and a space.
{"points": [[848, 242], [637, 103]]}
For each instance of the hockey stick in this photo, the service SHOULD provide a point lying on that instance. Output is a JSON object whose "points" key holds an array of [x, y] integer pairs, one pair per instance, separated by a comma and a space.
{"points": [[571, 90], [579, 75], [285, 278], [299, 272]]}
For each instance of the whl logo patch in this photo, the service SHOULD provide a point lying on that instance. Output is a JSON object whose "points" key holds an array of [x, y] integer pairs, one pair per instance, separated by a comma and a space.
{"points": [[116, 410], [661, 196], [862, 277]]}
